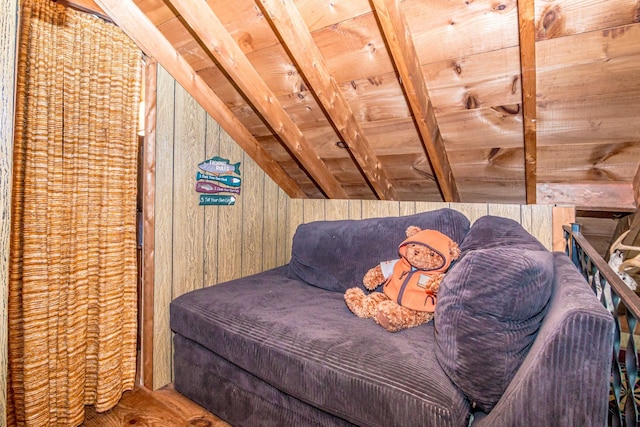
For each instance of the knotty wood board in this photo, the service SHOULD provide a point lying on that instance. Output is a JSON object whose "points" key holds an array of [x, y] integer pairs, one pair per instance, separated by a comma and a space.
{"points": [[324, 14], [602, 161], [488, 79], [482, 128], [354, 49], [161, 408], [506, 164], [566, 17], [454, 27], [600, 66], [601, 118], [8, 57], [597, 195], [381, 90], [498, 191]]}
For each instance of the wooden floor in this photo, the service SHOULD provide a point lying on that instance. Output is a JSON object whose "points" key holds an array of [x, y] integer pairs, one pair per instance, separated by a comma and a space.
{"points": [[161, 408]]}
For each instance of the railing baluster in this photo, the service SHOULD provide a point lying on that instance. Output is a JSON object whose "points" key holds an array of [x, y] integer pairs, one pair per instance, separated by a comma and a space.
{"points": [[617, 298]]}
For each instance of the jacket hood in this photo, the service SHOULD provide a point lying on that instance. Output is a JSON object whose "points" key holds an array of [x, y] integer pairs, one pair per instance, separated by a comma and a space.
{"points": [[435, 241]]}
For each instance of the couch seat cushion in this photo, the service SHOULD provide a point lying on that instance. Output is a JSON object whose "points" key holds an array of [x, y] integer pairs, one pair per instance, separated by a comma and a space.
{"points": [[490, 307], [335, 255], [304, 341]]}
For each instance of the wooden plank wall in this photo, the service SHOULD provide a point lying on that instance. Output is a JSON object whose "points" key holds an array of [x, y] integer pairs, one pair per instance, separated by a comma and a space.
{"points": [[197, 246], [8, 37], [537, 219]]}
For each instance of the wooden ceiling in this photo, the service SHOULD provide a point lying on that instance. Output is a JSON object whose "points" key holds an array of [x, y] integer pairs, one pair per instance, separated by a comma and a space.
{"points": [[473, 101]]}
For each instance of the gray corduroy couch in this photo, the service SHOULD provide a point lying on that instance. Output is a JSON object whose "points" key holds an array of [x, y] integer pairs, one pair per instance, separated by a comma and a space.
{"points": [[518, 338]]}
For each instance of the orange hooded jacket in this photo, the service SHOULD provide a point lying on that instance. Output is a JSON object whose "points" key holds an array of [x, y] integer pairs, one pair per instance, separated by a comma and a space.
{"points": [[408, 286]]}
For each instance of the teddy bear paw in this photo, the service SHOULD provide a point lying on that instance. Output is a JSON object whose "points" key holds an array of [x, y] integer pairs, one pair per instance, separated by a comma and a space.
{"points": [[361, 304], [389, 316], [394, 317], [354, 298]]}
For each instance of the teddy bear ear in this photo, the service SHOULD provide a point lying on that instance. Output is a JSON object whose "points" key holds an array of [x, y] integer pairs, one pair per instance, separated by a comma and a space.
{"points": [[454, 249], [412, 230]]}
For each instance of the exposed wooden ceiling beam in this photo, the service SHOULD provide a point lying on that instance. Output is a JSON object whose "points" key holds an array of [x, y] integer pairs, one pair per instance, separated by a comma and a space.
{"points": [[287, 23], [526, 24], [88, 6], [234, 62], [137, 26], [588, 195], [398, 38]]}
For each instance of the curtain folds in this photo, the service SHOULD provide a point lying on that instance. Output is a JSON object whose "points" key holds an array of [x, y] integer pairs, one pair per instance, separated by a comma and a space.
{"points": [[72, 286]]}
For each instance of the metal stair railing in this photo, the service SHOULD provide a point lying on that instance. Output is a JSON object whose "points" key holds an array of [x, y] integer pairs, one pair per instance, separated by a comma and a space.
{"points": [[624, 306]]}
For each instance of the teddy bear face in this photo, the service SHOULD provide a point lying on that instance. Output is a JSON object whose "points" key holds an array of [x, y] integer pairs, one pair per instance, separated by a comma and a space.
{"points": [[423, 257]]}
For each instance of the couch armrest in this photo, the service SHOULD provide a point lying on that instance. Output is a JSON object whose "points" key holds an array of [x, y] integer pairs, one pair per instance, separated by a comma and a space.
{"points": [[564, 380]]}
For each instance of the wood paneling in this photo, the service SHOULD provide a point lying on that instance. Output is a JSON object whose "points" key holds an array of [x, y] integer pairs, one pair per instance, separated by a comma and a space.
{"points": [[536, 219], [8, 38], [197, 245], [163, 236]]}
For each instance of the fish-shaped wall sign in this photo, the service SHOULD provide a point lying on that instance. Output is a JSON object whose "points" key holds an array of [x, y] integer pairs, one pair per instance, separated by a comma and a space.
{"points": [[211, 188], [218, 165], [230, 180]]}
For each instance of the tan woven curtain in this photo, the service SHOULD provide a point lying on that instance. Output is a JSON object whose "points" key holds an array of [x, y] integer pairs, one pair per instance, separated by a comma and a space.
{"points": [[72, 294]]}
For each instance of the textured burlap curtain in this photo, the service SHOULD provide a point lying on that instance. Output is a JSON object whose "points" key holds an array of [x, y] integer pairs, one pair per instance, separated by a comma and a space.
{"points": [[72, 295]]}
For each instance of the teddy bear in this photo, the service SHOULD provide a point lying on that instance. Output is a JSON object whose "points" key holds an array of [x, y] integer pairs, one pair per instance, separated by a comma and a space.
{"points": [[410, 283]]}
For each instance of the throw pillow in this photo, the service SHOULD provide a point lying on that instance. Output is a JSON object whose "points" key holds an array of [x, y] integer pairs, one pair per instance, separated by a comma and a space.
{"points": [[497, 232], [490, 307]]}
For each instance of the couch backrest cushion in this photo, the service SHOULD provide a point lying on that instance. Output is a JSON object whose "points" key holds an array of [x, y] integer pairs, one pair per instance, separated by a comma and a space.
{"points": [[335, 255], [490, 306]]}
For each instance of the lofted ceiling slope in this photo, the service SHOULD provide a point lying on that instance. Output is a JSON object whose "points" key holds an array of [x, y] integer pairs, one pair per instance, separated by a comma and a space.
{"points": [[474, 101]]}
